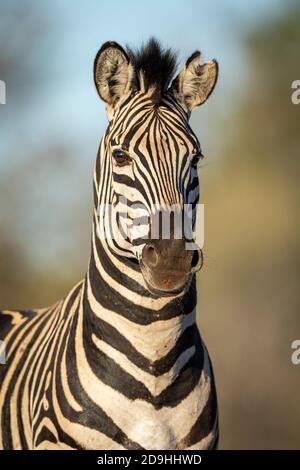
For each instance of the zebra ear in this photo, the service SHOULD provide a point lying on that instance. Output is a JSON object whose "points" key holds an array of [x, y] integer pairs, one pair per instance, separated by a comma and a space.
{"points": [[195, 82], [113, 74]]}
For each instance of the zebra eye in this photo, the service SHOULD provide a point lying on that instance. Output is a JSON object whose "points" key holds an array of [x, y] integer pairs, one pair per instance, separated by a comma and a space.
{"points": [[196, 159], [121, 158]]}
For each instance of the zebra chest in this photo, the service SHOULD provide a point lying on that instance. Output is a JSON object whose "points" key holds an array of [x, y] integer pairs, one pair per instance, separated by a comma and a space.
{"points": [[139, 427], [153, 432], [143, 425], [117, 422]]}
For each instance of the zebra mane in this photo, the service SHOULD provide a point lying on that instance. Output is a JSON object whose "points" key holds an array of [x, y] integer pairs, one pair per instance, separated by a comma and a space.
{"points": [[153, 65]]}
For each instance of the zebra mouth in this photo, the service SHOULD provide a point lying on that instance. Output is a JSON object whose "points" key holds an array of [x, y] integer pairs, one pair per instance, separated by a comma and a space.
{"points": [[165, 293], [164, 283]]}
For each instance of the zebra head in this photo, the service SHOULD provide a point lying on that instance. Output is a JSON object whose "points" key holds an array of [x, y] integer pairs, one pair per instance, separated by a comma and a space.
{"points": [[146, 177]]}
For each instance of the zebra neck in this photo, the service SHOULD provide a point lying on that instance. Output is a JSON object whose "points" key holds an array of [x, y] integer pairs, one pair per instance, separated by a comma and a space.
{"points": [[124, 323]]}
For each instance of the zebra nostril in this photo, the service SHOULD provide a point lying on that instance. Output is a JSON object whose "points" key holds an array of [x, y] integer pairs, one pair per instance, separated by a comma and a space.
{"points": [[197, 261], [150, 255]]}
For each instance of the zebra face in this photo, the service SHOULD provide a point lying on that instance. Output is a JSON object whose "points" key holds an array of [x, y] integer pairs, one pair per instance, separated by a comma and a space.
{"points": [[149, 159]]}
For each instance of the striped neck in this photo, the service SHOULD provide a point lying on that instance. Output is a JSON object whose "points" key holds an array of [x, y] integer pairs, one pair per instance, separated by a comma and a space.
{"points": [[115, 293], [142, 340]]}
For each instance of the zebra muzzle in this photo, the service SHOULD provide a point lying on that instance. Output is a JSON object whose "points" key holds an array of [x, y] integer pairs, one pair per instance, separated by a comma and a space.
{"points": [[167, 265]]}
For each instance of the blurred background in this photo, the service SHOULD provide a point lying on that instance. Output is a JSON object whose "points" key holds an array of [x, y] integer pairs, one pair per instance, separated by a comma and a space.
{"points": [[50, 129]]}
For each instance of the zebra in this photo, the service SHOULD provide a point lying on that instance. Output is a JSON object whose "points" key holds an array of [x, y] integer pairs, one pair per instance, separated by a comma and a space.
{"points": [[119, 362]]}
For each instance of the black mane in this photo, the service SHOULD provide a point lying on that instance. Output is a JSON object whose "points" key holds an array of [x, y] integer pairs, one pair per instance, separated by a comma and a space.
{"points": [[158, 66]]}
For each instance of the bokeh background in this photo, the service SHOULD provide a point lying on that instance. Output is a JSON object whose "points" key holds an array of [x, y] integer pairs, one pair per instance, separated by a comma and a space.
{"points": [[50, 128]]}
